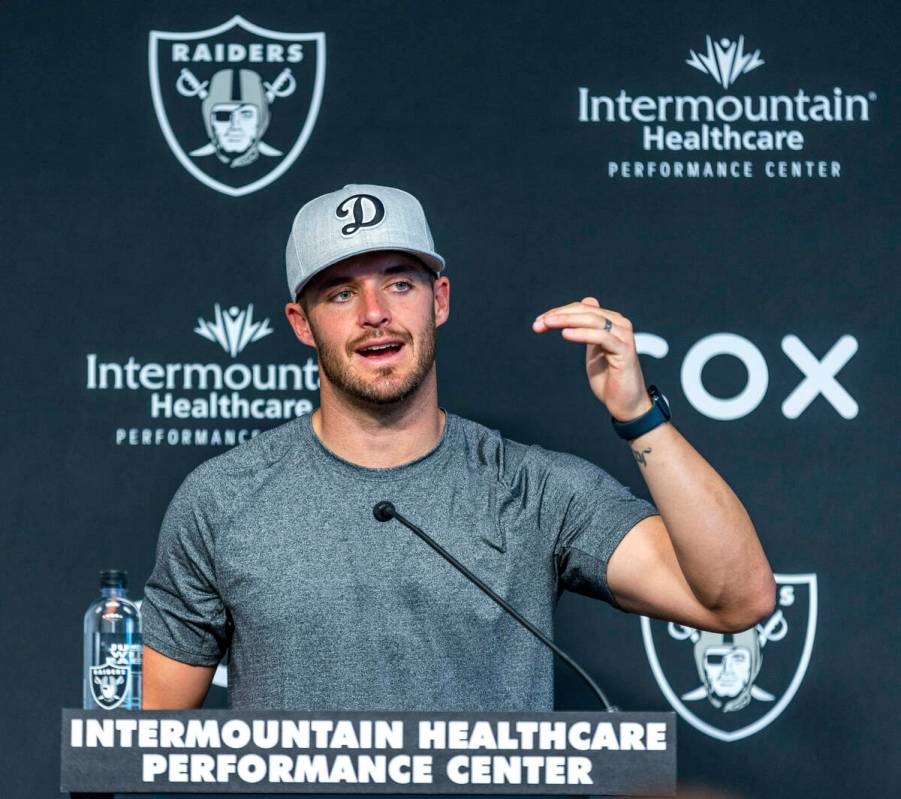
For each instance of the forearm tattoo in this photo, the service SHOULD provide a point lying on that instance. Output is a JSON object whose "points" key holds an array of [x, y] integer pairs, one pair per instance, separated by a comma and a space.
{"points": [[641, 455]]}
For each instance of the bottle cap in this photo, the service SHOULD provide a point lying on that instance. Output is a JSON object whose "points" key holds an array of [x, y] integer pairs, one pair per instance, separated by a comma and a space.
{"points": [[113, 578]]}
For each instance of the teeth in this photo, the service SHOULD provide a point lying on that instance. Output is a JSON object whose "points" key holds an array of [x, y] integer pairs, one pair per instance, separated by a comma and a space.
{"points": [[382, 347]]}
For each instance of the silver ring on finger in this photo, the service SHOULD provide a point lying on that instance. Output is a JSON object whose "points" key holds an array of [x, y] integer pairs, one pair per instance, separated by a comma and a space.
{"points": [[608, 325]]}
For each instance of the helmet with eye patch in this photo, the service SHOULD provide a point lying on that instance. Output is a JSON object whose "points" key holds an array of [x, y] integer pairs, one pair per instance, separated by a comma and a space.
{"points": [[242, 86], [726, 645]]}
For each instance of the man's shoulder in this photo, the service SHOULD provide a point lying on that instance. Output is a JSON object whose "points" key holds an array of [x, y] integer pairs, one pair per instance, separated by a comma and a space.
{"points": [[512, 459], [488, 445], [515, 460], [227, 471]]}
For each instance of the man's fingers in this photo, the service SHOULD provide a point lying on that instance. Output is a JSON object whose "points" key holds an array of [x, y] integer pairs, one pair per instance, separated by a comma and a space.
{"points": [[586, 317], [583, 306], [602, 338], [559, 309]]}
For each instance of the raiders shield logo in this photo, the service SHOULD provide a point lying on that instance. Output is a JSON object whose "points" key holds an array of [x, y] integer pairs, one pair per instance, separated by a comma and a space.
{"points": [[730, 686], [109, 684], [236, 103]]}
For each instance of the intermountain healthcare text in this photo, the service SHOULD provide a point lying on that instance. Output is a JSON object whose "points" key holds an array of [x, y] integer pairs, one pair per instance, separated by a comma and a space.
{"points": [[398, 768]]}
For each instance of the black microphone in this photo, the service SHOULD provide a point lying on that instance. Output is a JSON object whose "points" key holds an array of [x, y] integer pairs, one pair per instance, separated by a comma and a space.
{"points": [[385, 511]]}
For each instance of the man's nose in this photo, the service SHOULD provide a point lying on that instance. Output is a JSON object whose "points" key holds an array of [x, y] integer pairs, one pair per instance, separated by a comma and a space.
{"points": [[373, 307]]}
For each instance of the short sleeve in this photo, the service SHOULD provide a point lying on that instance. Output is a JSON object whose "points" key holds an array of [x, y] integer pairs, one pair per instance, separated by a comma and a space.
{"points": [[183, 614], [595, 511]]}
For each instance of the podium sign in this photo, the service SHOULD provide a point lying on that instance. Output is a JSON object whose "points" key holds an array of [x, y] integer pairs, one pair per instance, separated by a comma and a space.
{"points": [[220, 751]]}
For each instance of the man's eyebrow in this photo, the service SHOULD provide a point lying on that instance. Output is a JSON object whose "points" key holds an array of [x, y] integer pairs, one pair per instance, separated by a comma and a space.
{"points": [[399, 269]]}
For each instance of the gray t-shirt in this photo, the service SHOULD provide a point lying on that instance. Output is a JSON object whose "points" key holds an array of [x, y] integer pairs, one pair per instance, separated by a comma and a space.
{"points": [[272, 550]]}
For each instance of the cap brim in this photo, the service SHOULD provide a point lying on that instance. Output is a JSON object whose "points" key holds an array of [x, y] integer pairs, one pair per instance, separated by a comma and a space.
{"points": [[431, 259]]}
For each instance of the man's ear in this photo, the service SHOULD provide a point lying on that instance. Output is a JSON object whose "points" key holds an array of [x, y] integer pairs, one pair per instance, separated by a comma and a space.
{"points": [[442, 300], [299, 323]]}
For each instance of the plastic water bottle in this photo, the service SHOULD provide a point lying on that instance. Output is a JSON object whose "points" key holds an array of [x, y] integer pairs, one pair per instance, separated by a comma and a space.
{"points": [[112, 647]]}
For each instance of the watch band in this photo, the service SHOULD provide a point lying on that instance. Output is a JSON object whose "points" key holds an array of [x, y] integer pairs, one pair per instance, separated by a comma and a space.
{"points": [[656, 416]]}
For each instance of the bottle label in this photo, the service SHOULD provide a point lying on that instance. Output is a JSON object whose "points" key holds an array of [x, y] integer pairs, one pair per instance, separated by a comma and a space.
{"points": [[118, 673]]}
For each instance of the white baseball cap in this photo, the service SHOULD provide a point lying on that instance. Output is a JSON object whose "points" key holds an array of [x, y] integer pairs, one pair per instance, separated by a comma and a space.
{"points": [[357, 219]]}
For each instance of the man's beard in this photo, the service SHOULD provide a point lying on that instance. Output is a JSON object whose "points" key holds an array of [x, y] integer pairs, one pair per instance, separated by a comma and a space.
{"points": [[341, 375]]}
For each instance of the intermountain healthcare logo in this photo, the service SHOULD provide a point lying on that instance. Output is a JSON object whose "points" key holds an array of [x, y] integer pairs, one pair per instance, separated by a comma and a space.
{"points": [[234, 329], [724, 61], [209, 391], [726, 126], [236, 103], [730, 686]]}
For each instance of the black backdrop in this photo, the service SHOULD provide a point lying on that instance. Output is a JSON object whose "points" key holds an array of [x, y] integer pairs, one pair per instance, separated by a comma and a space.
{"points": [[113, 249]]}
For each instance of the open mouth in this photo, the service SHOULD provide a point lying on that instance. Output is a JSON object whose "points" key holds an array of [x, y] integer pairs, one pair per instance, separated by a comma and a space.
{"points": [[381, 351]]}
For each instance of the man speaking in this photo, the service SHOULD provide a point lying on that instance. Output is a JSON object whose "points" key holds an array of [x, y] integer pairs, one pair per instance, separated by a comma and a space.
{"points": [[271, 550]]}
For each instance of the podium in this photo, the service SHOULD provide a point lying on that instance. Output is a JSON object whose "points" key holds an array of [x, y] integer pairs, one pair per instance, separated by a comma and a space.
{"points": [[281, 752]]}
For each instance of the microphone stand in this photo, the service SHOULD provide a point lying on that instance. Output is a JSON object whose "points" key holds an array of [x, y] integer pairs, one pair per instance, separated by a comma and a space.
{"points": [[385, 511]]}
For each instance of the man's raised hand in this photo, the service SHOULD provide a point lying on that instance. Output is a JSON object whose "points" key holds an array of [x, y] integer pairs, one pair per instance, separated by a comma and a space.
{"points": [[611, 361]]}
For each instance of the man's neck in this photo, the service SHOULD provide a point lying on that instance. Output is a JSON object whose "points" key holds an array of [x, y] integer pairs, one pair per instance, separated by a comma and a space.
{"points": [[378, 437]]}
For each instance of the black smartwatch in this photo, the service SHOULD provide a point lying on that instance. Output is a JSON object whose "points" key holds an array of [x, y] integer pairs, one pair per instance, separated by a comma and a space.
{"points": [[657, 415]]}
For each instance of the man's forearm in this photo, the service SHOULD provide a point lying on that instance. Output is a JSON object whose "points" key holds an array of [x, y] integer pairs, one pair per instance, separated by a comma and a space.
{"points": [[713, 561], [713, 537]]}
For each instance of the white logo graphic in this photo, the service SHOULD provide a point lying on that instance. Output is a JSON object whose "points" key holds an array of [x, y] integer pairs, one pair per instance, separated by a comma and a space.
{"points": [[111, 680], [236, 112], [218, 92], [819, 374], [721, 134], [722, 675], [725, 60], [234, 329]]}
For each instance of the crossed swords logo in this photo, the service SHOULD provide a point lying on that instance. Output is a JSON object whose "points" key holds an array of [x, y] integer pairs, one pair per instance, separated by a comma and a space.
{"points": [[188, 85]]}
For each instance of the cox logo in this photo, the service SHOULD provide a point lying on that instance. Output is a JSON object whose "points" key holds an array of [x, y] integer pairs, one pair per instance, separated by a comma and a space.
{"points": [[819, 374]]}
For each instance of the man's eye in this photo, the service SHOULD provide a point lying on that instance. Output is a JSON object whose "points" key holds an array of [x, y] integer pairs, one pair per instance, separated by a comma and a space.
{"points": [[405, 285], [342, 296]]}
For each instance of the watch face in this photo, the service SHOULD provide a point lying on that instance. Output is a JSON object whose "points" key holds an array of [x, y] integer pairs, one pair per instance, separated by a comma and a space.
{"points": [[660, 401]]}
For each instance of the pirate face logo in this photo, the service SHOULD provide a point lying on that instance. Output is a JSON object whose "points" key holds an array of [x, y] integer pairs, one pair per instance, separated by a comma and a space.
{"points": [[237, 103], [109, 685], [731, 685], [111, 680], [727, 669]]}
